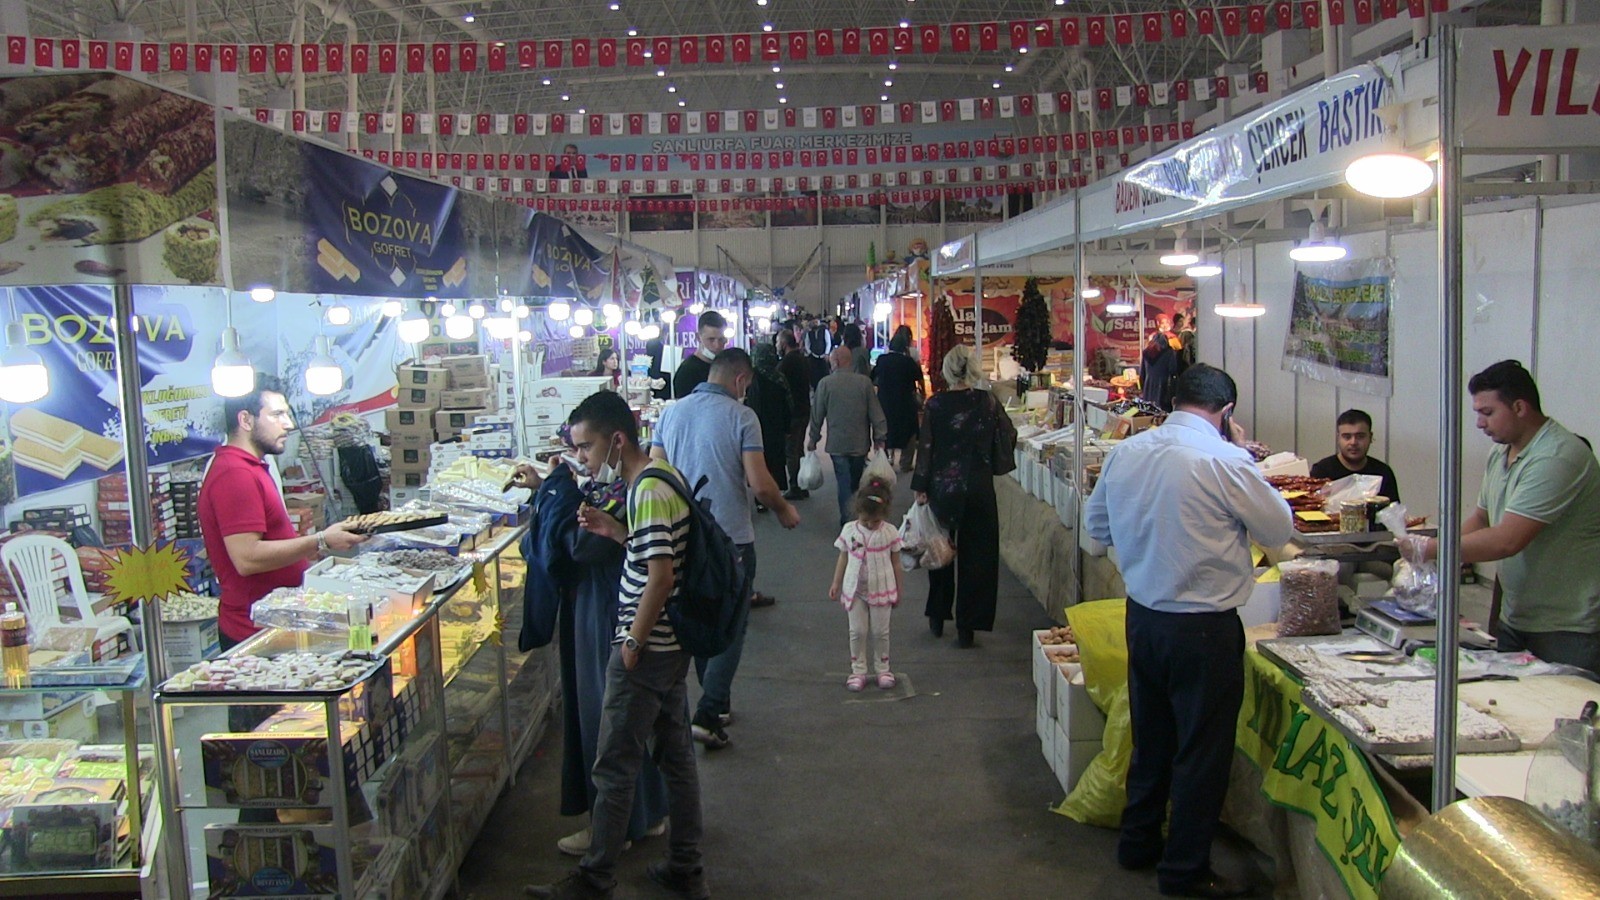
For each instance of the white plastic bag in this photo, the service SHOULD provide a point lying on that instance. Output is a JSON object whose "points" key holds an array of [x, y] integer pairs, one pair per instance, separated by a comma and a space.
{"points": [[878, 465], [1416, 578], [923, 541], [810, 476], [1350, 488]]}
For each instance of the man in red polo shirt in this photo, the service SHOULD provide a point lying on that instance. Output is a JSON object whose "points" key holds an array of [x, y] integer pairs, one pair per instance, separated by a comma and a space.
{"points": [[249, 538]]}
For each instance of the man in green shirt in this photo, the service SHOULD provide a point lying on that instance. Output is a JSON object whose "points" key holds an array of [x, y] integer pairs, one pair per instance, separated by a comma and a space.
{"points": [[1539, 515]]}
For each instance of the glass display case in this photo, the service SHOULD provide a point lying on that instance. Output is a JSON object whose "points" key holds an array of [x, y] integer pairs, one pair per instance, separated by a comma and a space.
{"points": [[77, 782]]}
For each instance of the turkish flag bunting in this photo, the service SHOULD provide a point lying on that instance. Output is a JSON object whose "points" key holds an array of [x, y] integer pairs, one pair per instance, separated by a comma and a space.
{"points": [[1441, 5], [388, 59], [1071, 32], [1417, 8], [989, 37], [527, 54], [1256, 19], [1122, 28], [869, 115], [416, 59], [282, 58], [408, 123], [902, 40], [606, 52], [1283, 13], [1180, 90], [635, 51], [297, 120], [740, 44], [519, 123], [674, 123], [771, 47], [1141, 94], [878, 41], [360, 58], [1223, 87], [1336, 12], [72, 54], [582, 52], [689, 50], [947, 110], [1020, 36], [227, 57], [1097, 31], [1389, 8], [1103, 98], [1152, 27], [961, 38], [1044, 33], [799, 46], [597, 123], [258, 58], [752, 120], [850, 41], [335, 121], [1363, 12], [1232, 21], [661, 51], [334, 54], [713, 122], [467, 56], [553, 52], [986, 107], [1205, 19], [930, 38], [1025, 105], [790, 116], [1311, 13], [177, 57], [447, 124], [558, 123], [1262, 82], [822, 39], [497, 56], [441, 58]]}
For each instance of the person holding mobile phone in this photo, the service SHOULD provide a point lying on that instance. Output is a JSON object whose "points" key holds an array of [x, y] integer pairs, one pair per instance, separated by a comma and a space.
{"points": [[1181, 504]]}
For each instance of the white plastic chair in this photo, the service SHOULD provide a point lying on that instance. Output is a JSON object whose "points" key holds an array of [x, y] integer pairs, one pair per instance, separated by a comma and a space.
{"points": [[30, 563]]}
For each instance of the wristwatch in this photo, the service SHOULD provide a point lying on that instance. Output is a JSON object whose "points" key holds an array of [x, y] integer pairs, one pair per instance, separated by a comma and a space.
{"points": [[630, 643]]}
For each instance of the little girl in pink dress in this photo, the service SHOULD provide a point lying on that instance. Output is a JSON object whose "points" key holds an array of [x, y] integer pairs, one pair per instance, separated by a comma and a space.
{"points": [[868, 582]]}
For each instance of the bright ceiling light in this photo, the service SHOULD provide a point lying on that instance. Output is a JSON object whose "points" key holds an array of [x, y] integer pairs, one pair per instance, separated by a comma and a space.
{"points": [[414, 327], [262, 294], [1120, 307], [566, 97], [766, 26], [458, 328], [729, 333], [545, 82], [615, 7], [1180, 255], [778, 85], [520, 312], [761, 2], [23, 376], [669, 316], [683, 103], [1022, 49], [583, 111], [888, 82], [996, 85], [1091, 293], [672, 89], [783, 99], [501, 328], [648, 54], [1203, 269], [1390, 176], [696, 308], [558, 311], [1318, 247], [232, 375], [661, 73], [611, 311], [882, 310], [476, 310], [447, 310], [893, 65], [339, 314], [524, 336], [1010, 67], [392, 308], [1240, 307], [650, 332], [575, 331], [323, 375], [632, 327], [633, 32], [583, 316], [777, 69], [884, 97]]}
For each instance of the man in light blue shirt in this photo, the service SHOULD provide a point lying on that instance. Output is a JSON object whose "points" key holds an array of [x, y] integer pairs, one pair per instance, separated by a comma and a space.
{"points": [[1180, 504], [711, 434]]}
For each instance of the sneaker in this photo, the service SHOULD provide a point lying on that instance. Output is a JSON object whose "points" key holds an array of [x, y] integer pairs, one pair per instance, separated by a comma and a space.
{"points": [[575, 886], [725, 719], [759, 600], [658, 829], [690, 884], [855, 683], [886, 680], [577, 844], [707, 730], [795, 494]]}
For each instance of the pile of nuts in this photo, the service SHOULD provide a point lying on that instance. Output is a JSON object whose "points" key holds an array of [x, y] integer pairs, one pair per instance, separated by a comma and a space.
{"points": [[290, 672]]}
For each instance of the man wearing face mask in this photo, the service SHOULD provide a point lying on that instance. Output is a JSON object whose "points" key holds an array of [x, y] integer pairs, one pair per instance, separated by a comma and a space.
{"points": [[712, 435], [693, 372]]}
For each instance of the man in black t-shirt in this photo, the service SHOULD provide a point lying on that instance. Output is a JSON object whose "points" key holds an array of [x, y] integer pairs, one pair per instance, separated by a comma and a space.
{"points": [[1355, 439]]}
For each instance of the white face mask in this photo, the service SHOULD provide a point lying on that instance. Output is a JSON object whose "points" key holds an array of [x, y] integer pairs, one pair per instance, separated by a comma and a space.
{"points": [[576, 465], [706, 353], [609, 473]]}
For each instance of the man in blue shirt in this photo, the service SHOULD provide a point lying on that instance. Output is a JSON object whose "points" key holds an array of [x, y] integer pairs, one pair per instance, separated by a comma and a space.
{"points": [[1180, 504], [711, 434]]}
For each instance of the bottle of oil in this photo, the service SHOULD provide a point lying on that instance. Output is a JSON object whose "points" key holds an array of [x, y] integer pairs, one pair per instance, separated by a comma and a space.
{"points": [[14, 646]]}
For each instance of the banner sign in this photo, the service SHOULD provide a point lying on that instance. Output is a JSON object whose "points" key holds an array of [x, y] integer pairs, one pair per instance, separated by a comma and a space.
{"points": [[1339, 325], [565, 266], [1164, 295], [1309, 767], [1302, 142], [1528, 88]]}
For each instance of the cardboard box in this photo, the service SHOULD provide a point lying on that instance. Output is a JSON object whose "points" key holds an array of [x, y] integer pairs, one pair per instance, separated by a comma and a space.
{"points": [[1069, 759], [406, 477], [410, 421], [1076, 714], [470, 365], [413, 375], [571, 390], [467, 399], [418, 398], [545, 413], [450, 422], [410, 457], [470, 381], [186, 643], [411, 440], [300, 861], [497, 421], [498, 440]]}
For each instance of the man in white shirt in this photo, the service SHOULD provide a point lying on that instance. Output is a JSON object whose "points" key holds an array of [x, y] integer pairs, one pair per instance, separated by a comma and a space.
{"points": [[1181, 503]]}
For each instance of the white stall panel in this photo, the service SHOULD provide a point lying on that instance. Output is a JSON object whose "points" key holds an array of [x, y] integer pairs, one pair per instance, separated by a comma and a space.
{"points": [[1277, 406], [1567, 318], [1413, 443]]}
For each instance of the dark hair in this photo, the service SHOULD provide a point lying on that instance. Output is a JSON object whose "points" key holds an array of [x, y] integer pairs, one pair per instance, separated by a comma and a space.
{"points": [[1206, 387], [250, 403], [786, 340], [607, 413], [1508, 379], [711, 319], [851, 336], [874, 496], [1355, 417], [733, 361], [901, 342], [600, 363], [1178, 319]]}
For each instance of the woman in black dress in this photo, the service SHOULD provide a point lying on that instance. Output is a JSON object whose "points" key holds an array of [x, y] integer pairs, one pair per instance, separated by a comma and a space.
{"points": [[955, 474], [860, 357], [899, 381]]}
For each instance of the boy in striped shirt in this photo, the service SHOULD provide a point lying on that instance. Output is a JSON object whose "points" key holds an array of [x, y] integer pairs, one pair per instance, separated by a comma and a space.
{"points": [[646, 689]]}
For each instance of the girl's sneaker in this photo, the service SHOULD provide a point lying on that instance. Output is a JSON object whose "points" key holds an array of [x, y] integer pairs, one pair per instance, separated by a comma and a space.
{"points": [[855, 682], [886, 680]]}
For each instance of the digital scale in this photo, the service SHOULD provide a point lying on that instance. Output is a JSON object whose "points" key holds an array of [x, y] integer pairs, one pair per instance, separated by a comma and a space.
{"points": [[1388, 622]]}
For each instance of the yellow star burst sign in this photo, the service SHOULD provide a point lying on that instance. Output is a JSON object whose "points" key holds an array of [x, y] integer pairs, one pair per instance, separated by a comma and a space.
{"points": [[154, 571]]}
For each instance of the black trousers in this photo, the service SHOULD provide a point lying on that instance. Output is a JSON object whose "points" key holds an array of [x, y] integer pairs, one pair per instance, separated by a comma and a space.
{"points": [[970, 584], [1185, 687]]}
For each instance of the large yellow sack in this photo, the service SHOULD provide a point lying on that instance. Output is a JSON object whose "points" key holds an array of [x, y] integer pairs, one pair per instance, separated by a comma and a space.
{"points": [[1101, 631]]}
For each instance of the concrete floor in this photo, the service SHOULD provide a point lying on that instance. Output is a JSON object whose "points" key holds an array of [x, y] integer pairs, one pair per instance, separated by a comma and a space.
{"points": [[935, 790]]}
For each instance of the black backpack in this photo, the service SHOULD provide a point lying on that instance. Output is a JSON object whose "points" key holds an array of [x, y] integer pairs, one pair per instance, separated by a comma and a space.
{"points": [[705, 614]]}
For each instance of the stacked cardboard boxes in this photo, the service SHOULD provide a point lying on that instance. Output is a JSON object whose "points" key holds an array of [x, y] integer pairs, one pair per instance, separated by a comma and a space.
{"points": [[116, 520], [411, 425], [186, 506]]}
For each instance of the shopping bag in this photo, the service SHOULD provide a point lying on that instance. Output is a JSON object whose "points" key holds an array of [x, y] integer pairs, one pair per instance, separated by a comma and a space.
{"points": [[878, 466], [810, 475], [924, 542]]}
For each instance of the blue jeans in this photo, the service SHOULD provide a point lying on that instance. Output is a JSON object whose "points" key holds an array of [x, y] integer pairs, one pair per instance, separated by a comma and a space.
{"points": [[716, 672], [846, 475]]}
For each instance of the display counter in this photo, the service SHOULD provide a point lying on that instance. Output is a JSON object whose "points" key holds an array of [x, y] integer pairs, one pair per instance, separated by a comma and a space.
{"points": [[431, 724], [1040, 551]]}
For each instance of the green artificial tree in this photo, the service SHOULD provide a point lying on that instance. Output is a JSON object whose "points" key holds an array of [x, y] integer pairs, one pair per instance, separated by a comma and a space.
{"points": [[1032, 331], [941, 340]]}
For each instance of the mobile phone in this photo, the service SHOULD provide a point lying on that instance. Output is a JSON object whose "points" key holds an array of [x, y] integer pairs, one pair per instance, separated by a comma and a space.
{"points": [[1227, 427]]}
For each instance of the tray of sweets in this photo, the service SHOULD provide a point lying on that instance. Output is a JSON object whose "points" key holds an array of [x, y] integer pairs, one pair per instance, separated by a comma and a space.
{"points": [[1395, 718], [385, 522]]}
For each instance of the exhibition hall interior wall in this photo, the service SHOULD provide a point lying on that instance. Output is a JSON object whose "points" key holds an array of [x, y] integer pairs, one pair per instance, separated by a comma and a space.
{"points": [[1528, 274]]}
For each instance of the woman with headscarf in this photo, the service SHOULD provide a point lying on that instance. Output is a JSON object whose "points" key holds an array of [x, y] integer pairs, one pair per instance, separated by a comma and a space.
{"points": [[860, 357], [1158, 367], [571, 595], [899, 381], [955, 475]]}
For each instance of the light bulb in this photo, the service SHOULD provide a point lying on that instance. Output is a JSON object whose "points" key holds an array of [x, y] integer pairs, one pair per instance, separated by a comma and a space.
{"points": [[501, 328], [1240, 307], [1389, 175], [339, 314], [323, 375], [262, 294], [447, 310], [414, 327], [632, 327], [611, 311], [1119, 308], [728, 333], [477, 311], [507, 304], [763, 324], [1091, 293], [696, 308], [522, 312], [23, 376], [1180, 255], [614, 321], [392, 308], [576, 331], [882, 311], [524, 336], [650, 332], [458, 328], [668, 316], [558, 311], [1203, 270], [232, 375], [583, 316]]}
